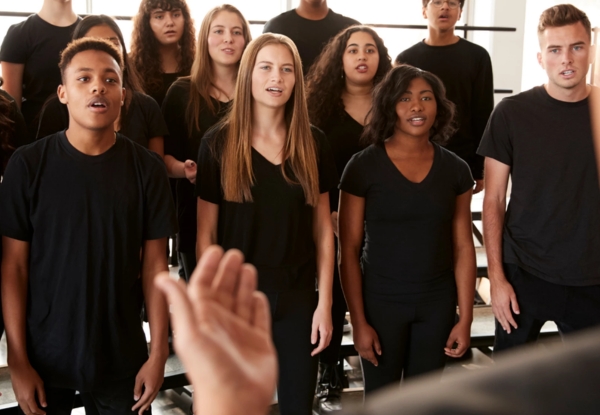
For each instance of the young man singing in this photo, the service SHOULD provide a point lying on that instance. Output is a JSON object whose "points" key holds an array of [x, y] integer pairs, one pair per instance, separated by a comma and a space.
{"points": [[85, 215]]}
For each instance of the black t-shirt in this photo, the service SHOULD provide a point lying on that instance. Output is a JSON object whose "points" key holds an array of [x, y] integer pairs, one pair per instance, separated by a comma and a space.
{"points": [[182, 145], [552, 224], [408, 254], [310, 36], [275, 231], [142, 121], [37, 44], [343, 134], [466, 71], [19, 135], [167, 80], [86, 219]]}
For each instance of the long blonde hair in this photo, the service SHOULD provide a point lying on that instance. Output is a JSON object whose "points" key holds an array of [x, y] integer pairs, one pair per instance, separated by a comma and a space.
{"points": [[300, 149], [201, 76]]}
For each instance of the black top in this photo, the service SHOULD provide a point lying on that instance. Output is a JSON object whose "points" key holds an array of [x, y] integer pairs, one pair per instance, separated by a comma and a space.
{"points": [[86, 219], [408, 253], [552, 224], [275, 231], [142, 121], [37, 44], [167, 80], [310, 36], [466, 70], [182, 145], [343, 133], [19, 136]]}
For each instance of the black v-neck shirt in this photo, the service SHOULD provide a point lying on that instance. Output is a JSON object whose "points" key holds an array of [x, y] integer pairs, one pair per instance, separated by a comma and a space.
{"points": [[275, 231], [408, 253]]}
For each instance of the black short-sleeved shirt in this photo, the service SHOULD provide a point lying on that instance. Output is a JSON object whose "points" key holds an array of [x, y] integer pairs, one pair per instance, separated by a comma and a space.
{"points": [[19, 135], [37, 44], [142, 121], [466, 71], [275, 231], [408, 254], [183, 145], [310, 36], [552, 224], [86, 219], [343, 134], [167, 80]]}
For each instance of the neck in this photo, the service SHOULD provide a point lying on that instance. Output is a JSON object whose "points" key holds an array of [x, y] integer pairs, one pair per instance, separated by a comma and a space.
{"points": [[311, 11], [268, 122], [224, 78], [353, 91], [58, 13], [90, 142], [579, 93], [409, 144], [441, 38], [169, 55]]}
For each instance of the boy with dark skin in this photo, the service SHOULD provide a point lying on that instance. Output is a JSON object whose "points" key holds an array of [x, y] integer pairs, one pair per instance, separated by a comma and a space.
{"points": [[466, 70], [85, 216], [310, 25]]}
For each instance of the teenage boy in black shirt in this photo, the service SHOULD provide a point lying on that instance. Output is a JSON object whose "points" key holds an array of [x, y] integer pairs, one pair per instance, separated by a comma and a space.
{"points": [[466, 70], [310, 25], [542, 252], [85, 215]]}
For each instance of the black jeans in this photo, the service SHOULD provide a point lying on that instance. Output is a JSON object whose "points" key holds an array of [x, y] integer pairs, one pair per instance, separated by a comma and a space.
{"points": [[571, 308], [412, 338], [113, 399], [187, 260], [292, 313]]}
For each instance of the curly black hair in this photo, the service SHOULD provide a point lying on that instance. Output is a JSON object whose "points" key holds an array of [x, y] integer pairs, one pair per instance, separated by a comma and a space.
{"points": [[324, 80], [387, 94], [144, 46]]}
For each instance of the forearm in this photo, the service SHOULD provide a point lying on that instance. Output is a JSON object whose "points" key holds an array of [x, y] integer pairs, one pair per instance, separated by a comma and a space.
{"points": [[493, 223], [175, 168], [156, 144], [156, 307], [207, 218], [351, 278], [323, 236], [14, 304], [465, 274]]}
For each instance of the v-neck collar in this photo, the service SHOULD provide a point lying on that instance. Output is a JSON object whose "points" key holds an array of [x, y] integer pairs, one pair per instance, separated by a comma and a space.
{"points": [[430, 173], [255, 151]]}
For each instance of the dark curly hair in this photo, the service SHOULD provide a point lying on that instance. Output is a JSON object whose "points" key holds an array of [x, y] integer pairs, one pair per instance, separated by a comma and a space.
{"points": [[324, 81], [145, 55], [387, 94]]}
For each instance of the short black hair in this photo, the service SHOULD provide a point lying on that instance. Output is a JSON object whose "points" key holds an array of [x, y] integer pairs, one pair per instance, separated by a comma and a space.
{"points": [[84, 44], [387, 94]]}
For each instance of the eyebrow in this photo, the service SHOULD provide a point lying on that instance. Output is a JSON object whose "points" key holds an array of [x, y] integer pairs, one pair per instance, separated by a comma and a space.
{"points": [[220, 25], [571, 45], [425, 90], [105, 70], [356, 44]]}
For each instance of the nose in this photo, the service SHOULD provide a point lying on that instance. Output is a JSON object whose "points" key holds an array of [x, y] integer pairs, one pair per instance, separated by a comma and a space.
{"points": [[567, 56], [362, 56], [98, 87], [416, 105], [227, 37], [168, 19]]}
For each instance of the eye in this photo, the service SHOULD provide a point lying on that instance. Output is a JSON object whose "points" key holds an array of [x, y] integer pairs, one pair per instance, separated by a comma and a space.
{"points": [[352, 50], [83, 78], [404, 99], [218, 31], [158, 16], [553, 50], [238, 33], [288, 69], [264, 67], [578, 47], [112, 80], [426, 99], [178, 14]]}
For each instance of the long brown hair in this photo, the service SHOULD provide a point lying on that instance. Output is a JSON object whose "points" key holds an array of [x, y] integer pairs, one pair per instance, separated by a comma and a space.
{"points": [[201, 77], [299, 151], [145, 55], [325, 83]]}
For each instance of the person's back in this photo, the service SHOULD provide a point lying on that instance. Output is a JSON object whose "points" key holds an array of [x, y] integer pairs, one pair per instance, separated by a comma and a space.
{"points": [[311, 25], [466, 70]]}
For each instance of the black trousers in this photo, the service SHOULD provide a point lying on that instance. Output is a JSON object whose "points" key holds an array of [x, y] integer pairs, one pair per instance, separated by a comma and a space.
{"points": [[412, 338], [292, 314], [187, 260], [571, 308], [113, 399]]}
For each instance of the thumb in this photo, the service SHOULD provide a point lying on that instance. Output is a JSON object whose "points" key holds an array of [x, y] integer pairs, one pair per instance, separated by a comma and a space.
{"points": [[515, 304], [376, 345], [314, 334]]}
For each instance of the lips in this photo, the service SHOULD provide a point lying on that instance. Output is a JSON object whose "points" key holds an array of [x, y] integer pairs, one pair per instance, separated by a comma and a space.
{"points": [[362, 68], [568, 72], [98, 104], [228, 51], [417, 120], [275, 91]]}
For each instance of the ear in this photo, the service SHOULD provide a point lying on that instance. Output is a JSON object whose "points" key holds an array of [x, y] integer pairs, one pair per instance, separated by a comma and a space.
{"points": [[123, 95], [593, 50], [425, 13], [62, 94], [540, 61]]}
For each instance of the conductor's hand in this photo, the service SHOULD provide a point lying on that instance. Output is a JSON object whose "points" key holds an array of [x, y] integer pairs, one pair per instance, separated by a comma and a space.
{"points": [[504, 302], [366, 342], [222, 334]]}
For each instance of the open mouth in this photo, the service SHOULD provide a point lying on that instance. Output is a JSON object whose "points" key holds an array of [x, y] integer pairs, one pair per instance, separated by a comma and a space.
{"points": [[275, 90], [568, 72], [228, 51], [98, 104], [362, 68], [417, 120]]}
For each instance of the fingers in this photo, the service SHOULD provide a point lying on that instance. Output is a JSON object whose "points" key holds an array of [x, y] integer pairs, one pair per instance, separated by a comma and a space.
{"points": [[226, 281], [137, 390], [145, 401], [244, 301], [41, 394], [314, 333], [205, 272], [515, 304], [325, 338], [376, 345], [261, 316], [182, 313], [457, 352], [30, 407], [369, 356]]}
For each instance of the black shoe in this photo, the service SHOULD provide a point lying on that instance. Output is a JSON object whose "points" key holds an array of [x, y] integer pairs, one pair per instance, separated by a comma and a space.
{"points": [[329, 388]]}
